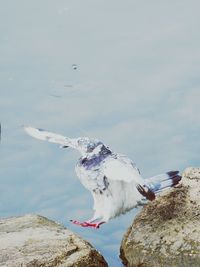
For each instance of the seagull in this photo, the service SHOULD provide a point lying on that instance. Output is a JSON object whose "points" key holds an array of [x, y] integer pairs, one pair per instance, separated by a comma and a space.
{"points": [[113, 179]]}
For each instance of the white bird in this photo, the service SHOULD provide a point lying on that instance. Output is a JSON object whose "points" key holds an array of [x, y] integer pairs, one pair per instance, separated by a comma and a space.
{"points": [[113, 179]]}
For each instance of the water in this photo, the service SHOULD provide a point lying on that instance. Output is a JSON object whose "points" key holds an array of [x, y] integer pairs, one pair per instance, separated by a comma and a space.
{"points": [[135, 87]]}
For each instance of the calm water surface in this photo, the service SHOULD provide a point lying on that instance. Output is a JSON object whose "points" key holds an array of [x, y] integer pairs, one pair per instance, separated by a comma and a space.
{"points": [[126, 73]]}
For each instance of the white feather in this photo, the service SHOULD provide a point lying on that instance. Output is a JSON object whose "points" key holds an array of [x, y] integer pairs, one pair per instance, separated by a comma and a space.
{"points": [[50, 137], [118, 170]]}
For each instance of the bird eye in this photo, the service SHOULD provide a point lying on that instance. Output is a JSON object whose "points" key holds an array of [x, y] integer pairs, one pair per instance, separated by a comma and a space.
{"points": [[90, 148]]}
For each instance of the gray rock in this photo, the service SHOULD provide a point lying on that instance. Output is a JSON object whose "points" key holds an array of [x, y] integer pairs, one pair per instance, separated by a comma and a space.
{"points": [[167, 231], [34, 241]]}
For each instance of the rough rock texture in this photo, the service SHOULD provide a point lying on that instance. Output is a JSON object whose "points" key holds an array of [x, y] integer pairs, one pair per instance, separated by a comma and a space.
{"points": [[33, 241], [167, 230]]}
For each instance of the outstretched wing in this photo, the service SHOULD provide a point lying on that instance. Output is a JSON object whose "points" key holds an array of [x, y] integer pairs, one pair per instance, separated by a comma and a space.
{"points": [[121, 168], [50, 137]]}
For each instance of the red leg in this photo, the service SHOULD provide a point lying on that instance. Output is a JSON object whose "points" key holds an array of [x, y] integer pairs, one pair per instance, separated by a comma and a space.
{"points": [[87, 224]]}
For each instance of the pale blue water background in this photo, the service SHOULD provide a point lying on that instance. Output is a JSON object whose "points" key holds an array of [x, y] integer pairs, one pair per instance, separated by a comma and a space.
{"points": [[137, 88]]}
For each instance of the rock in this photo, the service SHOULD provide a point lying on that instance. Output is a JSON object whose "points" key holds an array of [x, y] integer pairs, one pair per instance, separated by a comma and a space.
{"points": [[167, 231], [34, 240]]}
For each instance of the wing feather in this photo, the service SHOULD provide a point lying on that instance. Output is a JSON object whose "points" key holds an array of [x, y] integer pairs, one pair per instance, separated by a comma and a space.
{"points": [[48, 136], [121, 169]]}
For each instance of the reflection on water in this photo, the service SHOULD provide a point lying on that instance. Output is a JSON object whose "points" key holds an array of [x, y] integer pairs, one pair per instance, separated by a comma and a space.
{"points": [[137, 90]]}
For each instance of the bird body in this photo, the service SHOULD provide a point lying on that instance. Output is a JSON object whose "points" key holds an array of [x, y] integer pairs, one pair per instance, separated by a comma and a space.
{"points": [[113, 179], [112, 197]]}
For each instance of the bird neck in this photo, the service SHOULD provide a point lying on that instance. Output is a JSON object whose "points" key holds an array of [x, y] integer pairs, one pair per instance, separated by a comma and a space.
{"points": [[99, 151], [93, 160]]}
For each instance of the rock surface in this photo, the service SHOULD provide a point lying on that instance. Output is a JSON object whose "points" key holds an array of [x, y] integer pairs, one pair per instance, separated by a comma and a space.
{"points": [[167, 231], [34, 240]]}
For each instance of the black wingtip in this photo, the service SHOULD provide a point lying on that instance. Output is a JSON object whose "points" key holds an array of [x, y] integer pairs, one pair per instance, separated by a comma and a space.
{"points": [[172, 173], [146, 192], [175, 177]]}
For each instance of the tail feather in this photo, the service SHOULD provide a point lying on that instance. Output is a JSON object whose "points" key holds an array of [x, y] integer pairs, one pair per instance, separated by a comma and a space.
{"points": [[160, 182], [162, 177]]}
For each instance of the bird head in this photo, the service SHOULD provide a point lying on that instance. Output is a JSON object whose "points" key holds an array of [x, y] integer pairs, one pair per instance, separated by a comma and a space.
{"points": [[88, 146]]}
